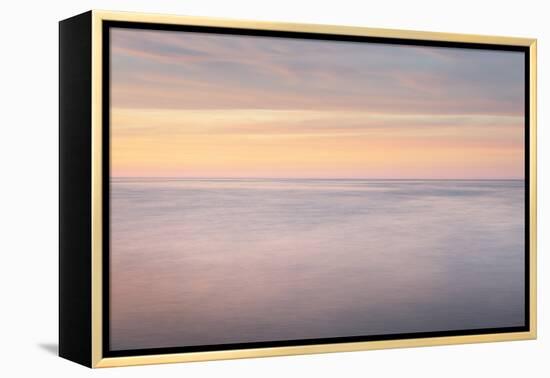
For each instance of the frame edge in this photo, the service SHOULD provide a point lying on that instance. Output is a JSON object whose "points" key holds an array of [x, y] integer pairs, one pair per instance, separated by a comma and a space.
{"points": [[533, 187], [97, 199], [75, 81], [310, 349], [312, 28]]}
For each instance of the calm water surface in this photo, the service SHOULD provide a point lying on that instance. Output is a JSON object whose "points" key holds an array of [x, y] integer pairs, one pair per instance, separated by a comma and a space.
{"points": [[197, 262]]}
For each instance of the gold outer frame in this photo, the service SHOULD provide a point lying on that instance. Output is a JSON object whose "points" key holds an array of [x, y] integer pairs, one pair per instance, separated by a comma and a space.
{"points": [[97, 274]]}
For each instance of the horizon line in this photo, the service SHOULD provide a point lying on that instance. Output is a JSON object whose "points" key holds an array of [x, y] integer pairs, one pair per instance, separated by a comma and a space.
{"points": [[313, 178]]}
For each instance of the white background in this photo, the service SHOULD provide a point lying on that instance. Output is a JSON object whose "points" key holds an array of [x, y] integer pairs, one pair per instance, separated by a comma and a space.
{"points": [[28, 148]]}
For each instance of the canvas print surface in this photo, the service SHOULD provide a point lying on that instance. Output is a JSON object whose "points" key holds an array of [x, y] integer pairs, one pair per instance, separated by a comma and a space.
{"points": [[270, 189]]}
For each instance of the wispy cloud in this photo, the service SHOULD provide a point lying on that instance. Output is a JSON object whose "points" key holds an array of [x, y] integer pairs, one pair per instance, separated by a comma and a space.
{"points": [[414, 110], [193, 70]]}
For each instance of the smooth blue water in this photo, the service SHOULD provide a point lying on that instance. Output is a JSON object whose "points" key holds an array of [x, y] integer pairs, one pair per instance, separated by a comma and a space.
{"points": [[206, 261]]}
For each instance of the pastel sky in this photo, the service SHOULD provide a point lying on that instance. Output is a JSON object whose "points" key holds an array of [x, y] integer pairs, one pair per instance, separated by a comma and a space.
{"points": [[189, 104]]}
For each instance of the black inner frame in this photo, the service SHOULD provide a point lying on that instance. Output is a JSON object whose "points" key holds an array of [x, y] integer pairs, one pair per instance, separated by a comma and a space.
{"points": [[106, 25]]}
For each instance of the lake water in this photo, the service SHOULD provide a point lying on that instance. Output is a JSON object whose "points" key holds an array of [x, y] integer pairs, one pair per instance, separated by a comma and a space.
{"points": [[214, 261]]}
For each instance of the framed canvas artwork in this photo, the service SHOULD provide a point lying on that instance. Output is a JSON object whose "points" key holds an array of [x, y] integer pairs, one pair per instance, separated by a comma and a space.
{"points": [[235, 189]]}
